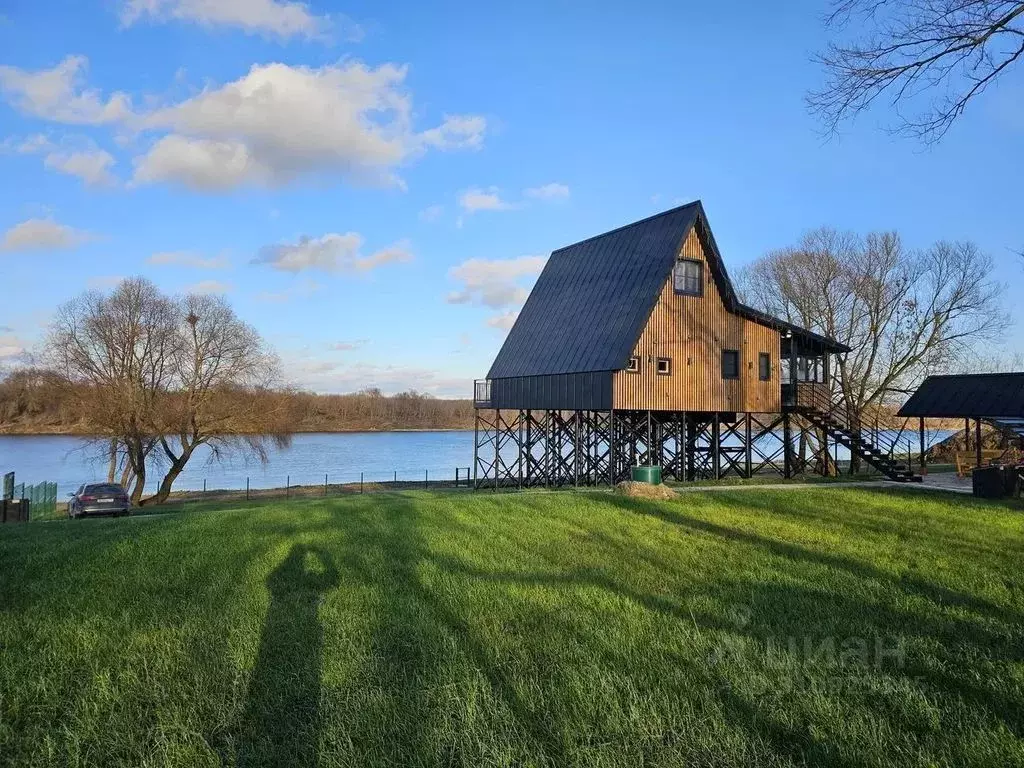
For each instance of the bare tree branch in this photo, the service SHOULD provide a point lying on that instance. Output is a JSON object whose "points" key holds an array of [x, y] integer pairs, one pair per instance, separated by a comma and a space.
{"points": [[930, 58]]}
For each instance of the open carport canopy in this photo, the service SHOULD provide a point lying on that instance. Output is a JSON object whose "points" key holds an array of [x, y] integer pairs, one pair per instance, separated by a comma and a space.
{"points": [[997, 398]]}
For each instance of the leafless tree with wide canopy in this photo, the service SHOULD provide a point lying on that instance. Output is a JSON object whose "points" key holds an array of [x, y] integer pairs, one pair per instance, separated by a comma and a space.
{"points": [[158, 376], [904, 313]]}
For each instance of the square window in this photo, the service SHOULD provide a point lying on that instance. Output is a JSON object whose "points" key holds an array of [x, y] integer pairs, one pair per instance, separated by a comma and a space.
{"points": [[730, 364], [664, 366], [764, 366], [688, 277], [634, 365]]}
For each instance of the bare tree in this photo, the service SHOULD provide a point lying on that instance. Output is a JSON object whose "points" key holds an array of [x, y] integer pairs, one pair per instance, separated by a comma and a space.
{"points": [[156, 377], [904, 314], [116, 351], [222, 374], [930, 58]]}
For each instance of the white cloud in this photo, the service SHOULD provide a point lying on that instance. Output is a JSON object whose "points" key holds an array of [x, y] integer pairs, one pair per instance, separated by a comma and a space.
{"points": [[11, 346], [76, 158], [399, 253], [553, 191], [300, 290], [494, 283], [331, 253], [476, 199], [42, 235], [456, 132], [209, 286], [189, 259], [103, 282], [13, 351], [279, 123], [92, 167], [339, 375], [57, 94], [431, 213], [82, 159], [278, 18], [200, 164], [348, 346], [273, 126], [503, 321]]}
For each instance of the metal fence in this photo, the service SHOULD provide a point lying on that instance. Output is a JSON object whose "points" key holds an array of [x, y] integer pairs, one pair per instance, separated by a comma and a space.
{"points": [[23, 502], [327, 484], [42, 498]]}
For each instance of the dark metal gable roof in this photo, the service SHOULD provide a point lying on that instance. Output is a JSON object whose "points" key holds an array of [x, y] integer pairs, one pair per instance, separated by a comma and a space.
{"points": [[593, 299], [972, 395]]}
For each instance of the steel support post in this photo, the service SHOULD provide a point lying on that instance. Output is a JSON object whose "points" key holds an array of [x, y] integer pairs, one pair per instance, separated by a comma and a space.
{"points": [[787, 460], [476, 445], [748, 447], [920, 436], [715, 446]]}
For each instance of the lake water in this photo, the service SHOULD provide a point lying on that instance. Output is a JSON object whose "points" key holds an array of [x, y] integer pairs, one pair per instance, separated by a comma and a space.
{"points": [[379, 456], [342, 456]]}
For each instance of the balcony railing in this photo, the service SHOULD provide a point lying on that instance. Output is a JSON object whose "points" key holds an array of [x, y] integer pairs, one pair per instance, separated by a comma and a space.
{"points": [[482, 393]]}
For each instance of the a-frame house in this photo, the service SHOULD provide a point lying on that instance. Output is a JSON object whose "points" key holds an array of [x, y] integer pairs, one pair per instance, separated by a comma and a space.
{"points": [[634, 348]]}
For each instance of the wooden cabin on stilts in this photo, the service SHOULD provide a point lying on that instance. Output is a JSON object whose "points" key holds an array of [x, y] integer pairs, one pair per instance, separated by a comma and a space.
{"points": [[633, 349]]}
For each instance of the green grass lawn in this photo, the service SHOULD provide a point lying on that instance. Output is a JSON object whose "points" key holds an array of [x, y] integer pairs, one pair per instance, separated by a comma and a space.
{"points": [[833, 627]]}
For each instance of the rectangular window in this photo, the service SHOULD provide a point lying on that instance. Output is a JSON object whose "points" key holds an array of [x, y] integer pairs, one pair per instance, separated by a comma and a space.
{"points": [[664, 366], [730, 364], [764, 366], [634, 365], [688, 277]]}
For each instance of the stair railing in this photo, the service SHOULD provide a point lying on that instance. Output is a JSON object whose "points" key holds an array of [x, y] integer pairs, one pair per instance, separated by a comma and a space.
{"points": [[834, 407]]}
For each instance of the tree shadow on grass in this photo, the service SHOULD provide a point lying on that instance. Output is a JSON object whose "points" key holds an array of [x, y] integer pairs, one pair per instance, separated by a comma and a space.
{"points": [[421, 647], [908, 582], [281, 723], [987, 630]]}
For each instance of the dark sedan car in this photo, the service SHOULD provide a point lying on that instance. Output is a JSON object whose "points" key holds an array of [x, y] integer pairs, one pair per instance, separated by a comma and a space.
{"points": [[99, 499]]}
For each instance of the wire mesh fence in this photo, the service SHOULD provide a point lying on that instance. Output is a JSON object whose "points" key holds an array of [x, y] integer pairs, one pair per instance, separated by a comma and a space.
{"points": [[328, 484], [25, 501]]}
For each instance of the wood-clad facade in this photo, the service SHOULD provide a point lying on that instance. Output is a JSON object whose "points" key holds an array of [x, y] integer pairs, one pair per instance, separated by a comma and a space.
{"points": [[633, 349], [691, 332]]}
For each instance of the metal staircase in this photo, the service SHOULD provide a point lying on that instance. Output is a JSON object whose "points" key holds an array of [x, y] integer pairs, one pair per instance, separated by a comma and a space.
{"points": [[830, 415]]}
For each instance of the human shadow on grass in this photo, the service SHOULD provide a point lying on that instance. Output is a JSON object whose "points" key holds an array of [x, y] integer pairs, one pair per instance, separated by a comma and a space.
{"points": [[281, 722]]}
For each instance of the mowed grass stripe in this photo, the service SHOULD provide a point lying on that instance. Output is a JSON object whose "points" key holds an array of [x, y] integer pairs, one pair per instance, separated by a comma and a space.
{"points": [[838, 626]]}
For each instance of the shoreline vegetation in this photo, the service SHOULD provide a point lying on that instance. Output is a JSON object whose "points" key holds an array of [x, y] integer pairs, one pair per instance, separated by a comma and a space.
{"points": [[57, 432], [34, 403]]}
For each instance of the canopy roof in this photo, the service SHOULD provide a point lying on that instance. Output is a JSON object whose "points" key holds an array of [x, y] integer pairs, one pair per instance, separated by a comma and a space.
{"points": [[989, 396]]}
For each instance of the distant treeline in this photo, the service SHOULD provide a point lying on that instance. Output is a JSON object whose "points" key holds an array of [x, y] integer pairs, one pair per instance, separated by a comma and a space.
{"points": [[38, 402]]}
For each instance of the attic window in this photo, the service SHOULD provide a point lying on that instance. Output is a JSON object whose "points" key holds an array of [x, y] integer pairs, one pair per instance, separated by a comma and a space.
{"points": [[634, 365], [664, 366], [688, 277]]}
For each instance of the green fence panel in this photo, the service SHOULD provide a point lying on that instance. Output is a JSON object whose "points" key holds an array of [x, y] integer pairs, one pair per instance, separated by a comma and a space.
{"points": [[42, 498]]}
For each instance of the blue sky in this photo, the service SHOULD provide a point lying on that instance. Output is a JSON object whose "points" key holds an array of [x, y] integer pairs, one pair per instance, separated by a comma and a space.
{"points": [[375, 186]]}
